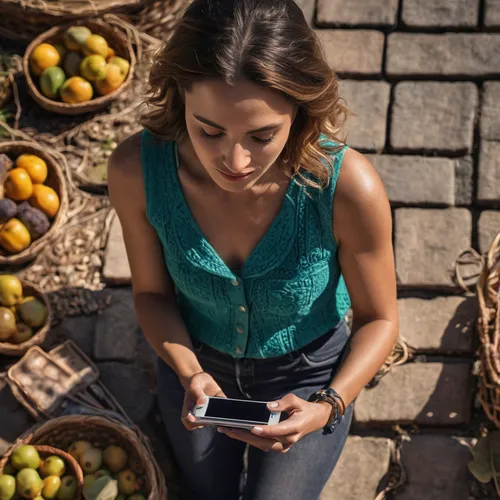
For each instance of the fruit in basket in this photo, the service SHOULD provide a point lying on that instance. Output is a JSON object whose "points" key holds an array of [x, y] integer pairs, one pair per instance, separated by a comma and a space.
{"points": [[7, 324], [112, 81], [29, 483], [35, 166], [75, 90], [88, 480], [18, 185], [22, 334], [77, 448], [127, 482], [52, 466], [8, 209], [61, 49], [91, 460], [51, 80], [34, 313], [68, 488], [75, 36], [25, 456], [95, 44], [115, 458], [101, 473], [93, 68], [72, 62], [51, 485], [44, 56], [104, 488], [45, 199], [11, 290], [7, 487], [36, 222], [123, 64], [14, 237]]}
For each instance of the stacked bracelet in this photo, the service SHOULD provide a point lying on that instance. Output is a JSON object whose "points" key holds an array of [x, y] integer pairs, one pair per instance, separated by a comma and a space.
{"points": [[331, 397]]}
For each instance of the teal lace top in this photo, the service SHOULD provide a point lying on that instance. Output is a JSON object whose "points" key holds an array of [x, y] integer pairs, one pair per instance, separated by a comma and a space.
{"points": [[289, 291]]}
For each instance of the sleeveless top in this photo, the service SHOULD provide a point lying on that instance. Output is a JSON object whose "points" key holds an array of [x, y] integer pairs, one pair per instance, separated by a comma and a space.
{"points": [[289, 291]]}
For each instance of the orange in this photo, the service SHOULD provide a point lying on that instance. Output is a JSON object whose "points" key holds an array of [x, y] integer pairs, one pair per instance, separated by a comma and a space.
{"points": [[44, 56], [113, 79], [75, 90], [35, 166], [45, 199], [18, 185], [96, 44]]}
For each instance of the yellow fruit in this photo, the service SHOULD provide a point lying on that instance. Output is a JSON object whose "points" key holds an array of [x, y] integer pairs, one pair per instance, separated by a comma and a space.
{"points": [[96, 44], [115, 458], [123, 64], [51, 485], [25, 457], [113, 79], [45, 199], [111, 53], [14, 236], [91, 460], [75, 37], [93, 68], [127, 482], [68, 489], [29, 483], [75, 90], [11, 290], [7, 487], [72, 63], [34, 166], [18, 185], [43, 56], [77, 448], [7, 324]]}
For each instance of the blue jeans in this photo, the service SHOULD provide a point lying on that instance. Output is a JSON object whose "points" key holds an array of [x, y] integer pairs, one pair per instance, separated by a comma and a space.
{"points": [[212, 463]]}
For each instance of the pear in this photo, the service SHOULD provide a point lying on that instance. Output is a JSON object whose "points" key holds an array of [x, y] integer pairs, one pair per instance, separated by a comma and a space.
{"points": [[104, 488], [127, 482], [51, 485], [7, 324], [25, 457], [115, 458], [52, 466], [22, 334], [68, 488], [7, 487], [102, 472], [32, 312], [77, 448], [29, 483], [91, 460], [11, 290]]}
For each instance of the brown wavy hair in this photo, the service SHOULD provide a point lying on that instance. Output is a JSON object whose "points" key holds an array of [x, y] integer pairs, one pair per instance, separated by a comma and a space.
{"points": [[267, 42]]}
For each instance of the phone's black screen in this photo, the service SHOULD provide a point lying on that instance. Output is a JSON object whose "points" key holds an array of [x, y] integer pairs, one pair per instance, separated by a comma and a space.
{"points": [[238, 410]]}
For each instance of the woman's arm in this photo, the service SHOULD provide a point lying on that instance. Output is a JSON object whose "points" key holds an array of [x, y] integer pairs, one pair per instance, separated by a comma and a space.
{"points": [[152, 287], [363, 229]]}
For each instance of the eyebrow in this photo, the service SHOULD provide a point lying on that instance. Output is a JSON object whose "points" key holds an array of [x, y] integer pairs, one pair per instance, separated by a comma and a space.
{"points": [[266, 128]]}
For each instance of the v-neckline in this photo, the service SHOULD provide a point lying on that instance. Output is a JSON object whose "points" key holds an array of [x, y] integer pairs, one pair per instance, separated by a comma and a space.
{"points": [[287, 199]]}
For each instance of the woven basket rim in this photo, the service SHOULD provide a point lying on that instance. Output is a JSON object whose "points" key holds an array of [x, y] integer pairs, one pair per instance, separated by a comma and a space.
{"points": [[39, 337], [85, 107], [31, 252]]}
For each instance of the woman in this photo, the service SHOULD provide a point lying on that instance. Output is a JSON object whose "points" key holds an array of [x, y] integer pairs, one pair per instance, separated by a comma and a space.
{"points": [[250, 229]]}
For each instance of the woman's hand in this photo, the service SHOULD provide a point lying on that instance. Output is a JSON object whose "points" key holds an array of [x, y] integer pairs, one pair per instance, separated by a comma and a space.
{"points": [[304, 418], [198, 387]]}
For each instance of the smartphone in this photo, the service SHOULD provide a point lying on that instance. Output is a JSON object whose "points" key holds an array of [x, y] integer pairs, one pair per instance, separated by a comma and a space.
{"points": [[241, 413]]}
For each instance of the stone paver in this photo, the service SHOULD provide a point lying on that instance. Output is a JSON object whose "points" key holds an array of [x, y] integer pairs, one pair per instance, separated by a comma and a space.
{"points": [[440, 13], [437, 468], [116, 268], [488, 228], [368, 101], [81, 330], [353, 51], [116, 329], [433, 116], [357, 12], [367, 454], [489, 172], [431, 394], [416, 179], [492, 13], [464, 180], [451, 54], [131, 385], [427, 243], [441, 324], [490, 111]]}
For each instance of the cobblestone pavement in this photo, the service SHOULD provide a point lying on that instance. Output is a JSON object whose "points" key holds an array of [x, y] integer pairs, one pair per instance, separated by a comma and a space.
{"points": [[422, 78]]}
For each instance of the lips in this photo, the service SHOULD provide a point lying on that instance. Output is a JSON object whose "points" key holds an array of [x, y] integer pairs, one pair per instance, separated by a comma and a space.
{"points": [[233, 177]]}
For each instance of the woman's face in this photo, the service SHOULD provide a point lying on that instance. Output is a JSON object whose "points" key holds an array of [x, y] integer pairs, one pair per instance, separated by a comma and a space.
{"points": [[237, 132]]}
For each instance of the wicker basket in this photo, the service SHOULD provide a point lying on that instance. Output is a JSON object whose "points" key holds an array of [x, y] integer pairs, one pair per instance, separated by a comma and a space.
{"points": [[488, 296], [117, 39], [29, 289], [102, 432], [56, 181], [25, 20], [47, 451]]}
